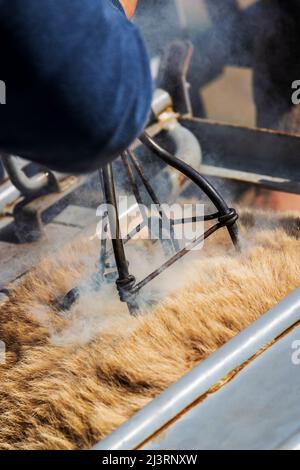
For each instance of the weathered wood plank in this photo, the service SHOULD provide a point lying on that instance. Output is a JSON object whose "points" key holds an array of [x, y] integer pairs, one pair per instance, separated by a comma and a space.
{"points": [[76, 216]]}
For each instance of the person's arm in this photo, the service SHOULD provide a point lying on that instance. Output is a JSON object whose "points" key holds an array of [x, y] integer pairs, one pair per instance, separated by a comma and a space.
{"points": [[77, 79]]}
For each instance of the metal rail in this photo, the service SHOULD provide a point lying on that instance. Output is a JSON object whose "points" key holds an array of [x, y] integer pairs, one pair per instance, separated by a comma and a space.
{"points": [[28, 186], [196, 383]]}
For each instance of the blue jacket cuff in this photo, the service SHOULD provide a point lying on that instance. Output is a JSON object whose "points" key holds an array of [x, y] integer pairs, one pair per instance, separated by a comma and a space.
{"points": [[117, 4]]}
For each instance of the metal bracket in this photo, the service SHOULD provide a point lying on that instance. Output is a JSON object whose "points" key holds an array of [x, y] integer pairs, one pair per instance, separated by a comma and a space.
{"points": [[29, 214], [29, 187]]}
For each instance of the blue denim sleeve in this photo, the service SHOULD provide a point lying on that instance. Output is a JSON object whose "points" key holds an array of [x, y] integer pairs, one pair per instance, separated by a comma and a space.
{"points": [[78, 82]]}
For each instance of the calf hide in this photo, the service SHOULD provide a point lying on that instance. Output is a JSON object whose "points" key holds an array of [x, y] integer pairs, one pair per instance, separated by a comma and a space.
{"points": [[72, 378]]}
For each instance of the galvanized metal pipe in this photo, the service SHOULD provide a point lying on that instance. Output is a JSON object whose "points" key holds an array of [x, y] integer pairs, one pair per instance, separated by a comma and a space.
{"points": [[27, 186], [197, 382]]}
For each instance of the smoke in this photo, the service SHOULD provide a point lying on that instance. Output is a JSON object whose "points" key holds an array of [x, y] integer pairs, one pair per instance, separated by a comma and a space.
{"points": [[100, 311], [93, 314], [158, 22]]}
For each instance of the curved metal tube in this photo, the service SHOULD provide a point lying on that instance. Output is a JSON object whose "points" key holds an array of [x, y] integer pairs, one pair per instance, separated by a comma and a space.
{"points": [[186, 145], [187, 148], [187, 170], [27, 186], [195, 177]]}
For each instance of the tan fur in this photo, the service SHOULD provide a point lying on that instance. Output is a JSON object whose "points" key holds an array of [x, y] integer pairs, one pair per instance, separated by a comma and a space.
{"points": [[59, 394]]}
